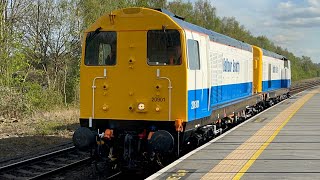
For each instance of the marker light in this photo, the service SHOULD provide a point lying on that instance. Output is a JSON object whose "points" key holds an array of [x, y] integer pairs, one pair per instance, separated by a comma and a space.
{"points": [[157, 109], [141, 106]]}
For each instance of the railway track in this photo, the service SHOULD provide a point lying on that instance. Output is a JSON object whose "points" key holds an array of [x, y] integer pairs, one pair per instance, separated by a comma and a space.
{"points": [[303, 86], [45, 166]]}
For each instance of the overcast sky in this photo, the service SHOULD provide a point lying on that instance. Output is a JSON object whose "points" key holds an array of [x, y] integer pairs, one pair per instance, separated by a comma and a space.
{"points": [[292, 24]]}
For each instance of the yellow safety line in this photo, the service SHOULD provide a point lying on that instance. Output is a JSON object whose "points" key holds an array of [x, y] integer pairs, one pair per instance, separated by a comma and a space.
{"points": [[251, 149], [245, 168]]}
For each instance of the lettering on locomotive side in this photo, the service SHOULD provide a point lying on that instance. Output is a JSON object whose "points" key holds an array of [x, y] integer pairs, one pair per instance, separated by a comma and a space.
{"points": [[275, 69], [231, 66], [158, 99], [195, 104]]}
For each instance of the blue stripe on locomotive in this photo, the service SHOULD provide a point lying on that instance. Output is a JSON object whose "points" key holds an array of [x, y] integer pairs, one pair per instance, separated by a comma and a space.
{"points": [[286, 83], [275, 84], [219, 95]]}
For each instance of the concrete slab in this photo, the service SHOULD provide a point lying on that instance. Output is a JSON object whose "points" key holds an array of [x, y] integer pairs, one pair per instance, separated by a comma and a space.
{"points": [[295, 152]]}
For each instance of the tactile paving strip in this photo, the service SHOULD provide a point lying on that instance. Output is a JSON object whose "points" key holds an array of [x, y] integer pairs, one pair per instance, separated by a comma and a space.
{"points": [[239, 161]]}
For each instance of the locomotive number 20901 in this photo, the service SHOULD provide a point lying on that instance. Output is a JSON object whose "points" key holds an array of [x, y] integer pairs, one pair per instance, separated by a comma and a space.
{"points": [[158, 99]]}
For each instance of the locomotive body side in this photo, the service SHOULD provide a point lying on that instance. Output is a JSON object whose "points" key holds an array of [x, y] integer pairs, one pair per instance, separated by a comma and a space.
{"points": [[276, 72], [223, 74], [219, 75], [271, 73]]}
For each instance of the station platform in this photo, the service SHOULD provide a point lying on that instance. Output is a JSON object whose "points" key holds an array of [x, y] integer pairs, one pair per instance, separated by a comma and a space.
{"points": [[280, 143]]}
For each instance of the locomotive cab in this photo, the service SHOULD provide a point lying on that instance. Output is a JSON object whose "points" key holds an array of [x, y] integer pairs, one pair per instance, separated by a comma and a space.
{"points": [[133, 84]]}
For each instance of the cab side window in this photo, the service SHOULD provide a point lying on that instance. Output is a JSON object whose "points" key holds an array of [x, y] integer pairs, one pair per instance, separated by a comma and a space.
{"points": [[286, 64], [193, 54]]}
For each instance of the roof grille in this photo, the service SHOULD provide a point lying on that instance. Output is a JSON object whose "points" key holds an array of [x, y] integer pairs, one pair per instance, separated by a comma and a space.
{"points": [[132, 10], [169, 13]]}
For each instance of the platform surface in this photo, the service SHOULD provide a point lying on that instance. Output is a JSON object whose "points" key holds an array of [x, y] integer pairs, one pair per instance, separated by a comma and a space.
{"points": [[280, 143]]}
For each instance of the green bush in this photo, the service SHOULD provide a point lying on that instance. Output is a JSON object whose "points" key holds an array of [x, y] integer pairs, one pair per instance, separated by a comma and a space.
{"points": [[41, 98], [17, 102], [12, 103]]}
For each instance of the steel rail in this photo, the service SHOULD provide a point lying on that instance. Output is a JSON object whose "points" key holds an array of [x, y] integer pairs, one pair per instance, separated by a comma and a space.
{"points": [[35, 159], [61, 169]]}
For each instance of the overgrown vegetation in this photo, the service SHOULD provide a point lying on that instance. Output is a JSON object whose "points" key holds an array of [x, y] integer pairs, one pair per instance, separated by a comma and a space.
{"points": [[40, 47]]}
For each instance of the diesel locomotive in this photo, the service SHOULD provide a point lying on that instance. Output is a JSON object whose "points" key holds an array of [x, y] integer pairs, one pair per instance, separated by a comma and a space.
{"points": [[153, 85]]}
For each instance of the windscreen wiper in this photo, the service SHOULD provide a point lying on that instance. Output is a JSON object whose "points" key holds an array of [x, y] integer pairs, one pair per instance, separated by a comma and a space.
{"points": [[93, 35]]}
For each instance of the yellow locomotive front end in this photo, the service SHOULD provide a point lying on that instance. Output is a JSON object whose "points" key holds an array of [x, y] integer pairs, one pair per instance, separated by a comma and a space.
{"points": [[132, 83], [125, 57]]}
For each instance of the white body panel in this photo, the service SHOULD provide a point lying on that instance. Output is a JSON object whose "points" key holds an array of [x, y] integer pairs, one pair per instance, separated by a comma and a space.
{"points": [[219, 55], [277, 66]]}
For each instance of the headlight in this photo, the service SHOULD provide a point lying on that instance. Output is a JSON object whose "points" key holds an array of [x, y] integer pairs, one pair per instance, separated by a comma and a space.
{"points": [[141, 106]]}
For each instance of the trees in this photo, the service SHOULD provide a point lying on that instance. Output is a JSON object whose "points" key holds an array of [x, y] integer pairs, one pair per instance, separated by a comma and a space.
{"points": [[52, 39], [40, 50], [205, 15], [182, 9], [11, 57]]}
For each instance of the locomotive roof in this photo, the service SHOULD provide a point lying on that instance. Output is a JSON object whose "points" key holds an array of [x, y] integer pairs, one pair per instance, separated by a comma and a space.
{"points": [[217, 37], [272, 54], [214, 36]]}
